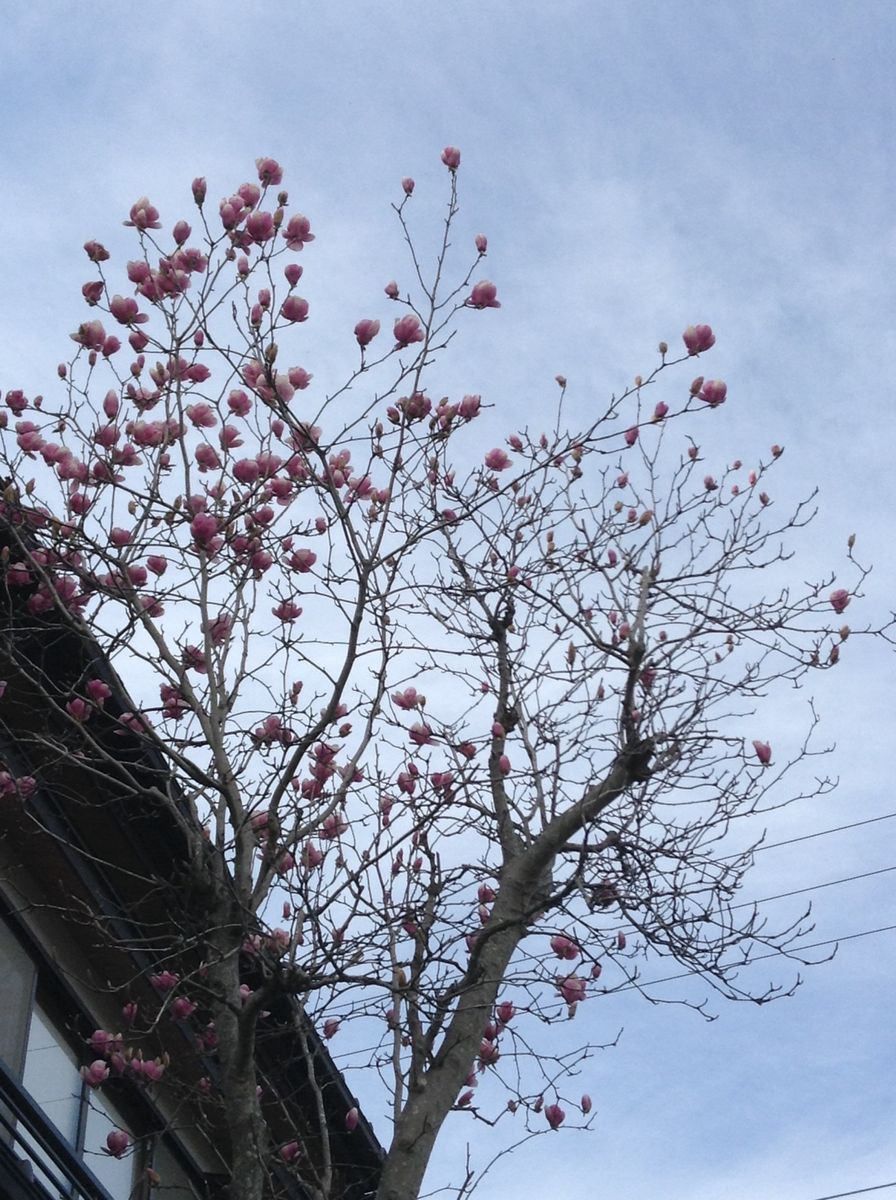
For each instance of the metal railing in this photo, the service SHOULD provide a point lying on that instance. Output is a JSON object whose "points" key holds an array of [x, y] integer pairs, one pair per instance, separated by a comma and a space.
{"points": [[56, 1159]]}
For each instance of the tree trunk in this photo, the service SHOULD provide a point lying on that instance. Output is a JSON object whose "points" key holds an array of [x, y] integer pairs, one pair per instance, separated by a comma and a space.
{"points": [[249, 1150], [434, 1097]]}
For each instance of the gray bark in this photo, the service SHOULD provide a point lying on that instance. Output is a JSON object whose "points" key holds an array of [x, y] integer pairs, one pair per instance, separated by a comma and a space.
{"points": [[432, 1097]]}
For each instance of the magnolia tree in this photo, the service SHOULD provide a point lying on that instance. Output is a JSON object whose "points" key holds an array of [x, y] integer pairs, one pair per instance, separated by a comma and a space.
{"points": [[456, 733]]}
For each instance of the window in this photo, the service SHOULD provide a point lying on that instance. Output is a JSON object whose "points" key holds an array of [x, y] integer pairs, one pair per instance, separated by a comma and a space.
{"points": [[42, 1058], [52, 1078], [16, 993]]}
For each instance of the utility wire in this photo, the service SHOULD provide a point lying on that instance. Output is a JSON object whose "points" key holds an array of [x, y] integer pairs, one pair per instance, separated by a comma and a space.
{"points": [[822, 833], [789, 953], [858, 1192], [815, 887]]}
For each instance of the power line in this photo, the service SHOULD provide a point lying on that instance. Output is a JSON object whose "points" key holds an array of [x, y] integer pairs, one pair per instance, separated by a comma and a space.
{"points": [[788, 953], [821, 833], [815, 887], [858, 1192]]}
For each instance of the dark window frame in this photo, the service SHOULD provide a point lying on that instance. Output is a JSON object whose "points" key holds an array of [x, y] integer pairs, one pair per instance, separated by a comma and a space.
{"points": [[65, 1010]]}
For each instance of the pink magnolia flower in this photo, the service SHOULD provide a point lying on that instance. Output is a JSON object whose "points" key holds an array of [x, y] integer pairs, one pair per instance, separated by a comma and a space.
{"points": [[554, 1115], [96, 1074], [331, 1027], [218, 629], [698, 338], [483, 295], [181, 232], [451, 157], [407, 782], [93, 292], [269, 171], [505, 1012], [16, 401], [144, 215], [481, 243], [407, 330], [260, 562], [104, 1043], [287, 611], [420, 734], [497, 460], [298, 232], [96, 252], [565, 947], [488, 1053], [571, 988], [90, 334], [408, 185], [28, 437], [290, 1152], [250, 195], [311, 856], [293, 273], [300, 378], [124, 310], [207, 457], [302, 560], [586, 1104], [294, 308], [246, 470], [763, 752], [631, 436], [839, 600], [352, 1117], [151, 1069], [157, 563], [184, 262], [164, 981], [202, 416], [366, 331], [198, 188], [133, 722], [173, 703], [391, 289], [233, 211], [260, 225], [119, 537], [239, 403], [78, 709], [117, 1142], [182, 1008], [713, 392], [204, 528], [408, 699]]}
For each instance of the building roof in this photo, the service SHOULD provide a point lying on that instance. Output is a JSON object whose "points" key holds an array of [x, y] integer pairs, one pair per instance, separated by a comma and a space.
{"points": [[93, 848]]}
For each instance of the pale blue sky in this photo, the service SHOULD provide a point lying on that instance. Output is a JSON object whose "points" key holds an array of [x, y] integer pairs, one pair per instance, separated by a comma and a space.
{"points": [[637, 167]]}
